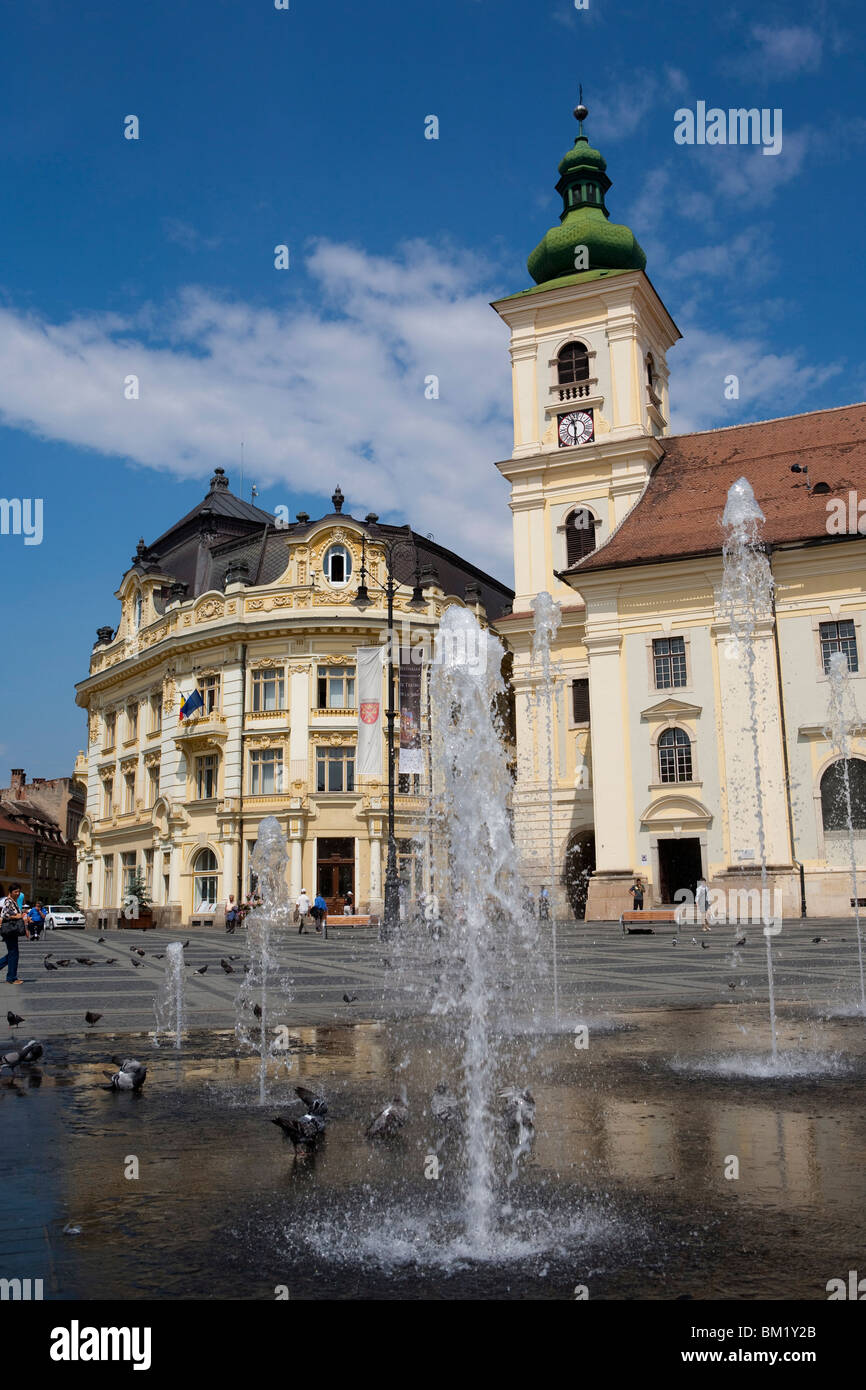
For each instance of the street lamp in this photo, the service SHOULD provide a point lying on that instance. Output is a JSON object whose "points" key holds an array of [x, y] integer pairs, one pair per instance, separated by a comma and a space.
{"points": [[392, 547]]}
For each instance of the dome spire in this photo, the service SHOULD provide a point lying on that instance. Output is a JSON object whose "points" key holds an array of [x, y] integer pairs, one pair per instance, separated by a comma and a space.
{"points": [[584, 220]]}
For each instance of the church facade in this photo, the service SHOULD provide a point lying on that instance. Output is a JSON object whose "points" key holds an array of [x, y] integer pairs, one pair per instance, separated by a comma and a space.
{"points": [[255, 626], [651, 754]]}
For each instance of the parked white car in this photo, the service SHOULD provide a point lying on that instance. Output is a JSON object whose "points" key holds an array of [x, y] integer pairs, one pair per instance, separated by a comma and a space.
{"points": [[63, 917]]}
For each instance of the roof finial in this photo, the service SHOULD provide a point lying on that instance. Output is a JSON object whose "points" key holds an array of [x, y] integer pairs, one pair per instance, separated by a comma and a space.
{"points": [[337, 499], [580, 111]]}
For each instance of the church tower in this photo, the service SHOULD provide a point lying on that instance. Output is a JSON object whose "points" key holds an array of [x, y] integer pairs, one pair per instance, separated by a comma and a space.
{"points": [[589, 345]]}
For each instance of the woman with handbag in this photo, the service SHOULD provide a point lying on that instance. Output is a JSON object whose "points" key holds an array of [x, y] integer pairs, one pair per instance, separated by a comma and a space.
{"points": [[12, 926]]}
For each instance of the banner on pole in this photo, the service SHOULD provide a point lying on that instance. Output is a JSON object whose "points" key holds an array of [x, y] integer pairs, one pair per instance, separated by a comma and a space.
{"points": [[369, 762], [411, 753]]}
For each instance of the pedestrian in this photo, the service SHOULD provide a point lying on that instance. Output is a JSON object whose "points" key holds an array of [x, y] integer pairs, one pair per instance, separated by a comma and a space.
{"points": [[303, 910], [636, 891], [320, 913], [543, 905], [37, 920], [13, 926], [231, 914], [349, 905], [702, 898]]}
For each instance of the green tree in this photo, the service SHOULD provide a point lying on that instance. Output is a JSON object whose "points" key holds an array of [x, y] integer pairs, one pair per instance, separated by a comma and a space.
{"points": [[68, 894], [137, 888]]}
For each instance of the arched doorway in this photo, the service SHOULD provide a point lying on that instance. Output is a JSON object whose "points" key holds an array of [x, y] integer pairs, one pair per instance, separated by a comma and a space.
{"points": [[578, 869]]}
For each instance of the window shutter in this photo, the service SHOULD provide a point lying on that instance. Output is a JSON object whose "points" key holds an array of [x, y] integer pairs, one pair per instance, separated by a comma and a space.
{"points": [[580, 701]]}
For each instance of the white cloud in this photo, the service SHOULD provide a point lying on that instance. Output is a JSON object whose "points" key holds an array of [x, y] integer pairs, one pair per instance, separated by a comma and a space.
{"points": [[781, 52], [770, 383], [622, 107], [319, 395]]}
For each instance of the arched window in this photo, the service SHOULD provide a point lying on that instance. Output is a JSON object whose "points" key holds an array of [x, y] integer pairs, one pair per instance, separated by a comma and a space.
{"points": [[573, 364], [834, 801], [205, 882], [579, 535], [136, 612], [337, 565], [675, 756]]}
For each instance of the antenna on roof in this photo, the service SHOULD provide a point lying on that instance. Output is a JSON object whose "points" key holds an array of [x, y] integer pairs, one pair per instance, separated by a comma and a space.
{"points": [[242, 469], [254, 492]]}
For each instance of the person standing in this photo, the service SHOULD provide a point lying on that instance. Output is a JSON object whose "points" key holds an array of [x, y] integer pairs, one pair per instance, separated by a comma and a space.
{"points": [[231, 914], [12, 926], [544, 905], [636, 891], [303, 910], [702, 898], [349, 905]]}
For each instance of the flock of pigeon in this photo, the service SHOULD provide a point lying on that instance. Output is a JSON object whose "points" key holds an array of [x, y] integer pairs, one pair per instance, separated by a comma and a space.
{"points": [[129, 1076], [307, 1129]]}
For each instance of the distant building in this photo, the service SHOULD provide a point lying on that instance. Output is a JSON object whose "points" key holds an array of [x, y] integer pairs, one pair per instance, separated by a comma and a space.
{"points": [[17, 852], [48, 812], [257, 620]]}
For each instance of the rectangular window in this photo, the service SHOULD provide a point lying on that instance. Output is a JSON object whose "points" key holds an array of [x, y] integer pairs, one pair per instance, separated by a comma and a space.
{"points": [[110, 724], [269, 689], [148, 870], [108, 796], [205, 776], [580, 701], [132, 721], [408, 783], [129, 791], [156, 713], [335, 769], [669, 662], [152, 784], [266, 771], [2, 856], [108, 880], [336, 687], [839, 637], [127, 871], [209, 689]]}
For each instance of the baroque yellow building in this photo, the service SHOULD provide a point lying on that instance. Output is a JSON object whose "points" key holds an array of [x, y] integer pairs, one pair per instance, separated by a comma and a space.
{"points": [[259, 617], [620, 523]]}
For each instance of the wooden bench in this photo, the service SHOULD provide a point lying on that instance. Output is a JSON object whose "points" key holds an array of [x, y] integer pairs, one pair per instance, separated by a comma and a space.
{"points": [[642, 923]]}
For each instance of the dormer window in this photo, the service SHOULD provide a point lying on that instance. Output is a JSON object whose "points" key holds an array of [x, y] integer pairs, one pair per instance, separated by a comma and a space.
{"points": [[337, 565], [572, 364]]}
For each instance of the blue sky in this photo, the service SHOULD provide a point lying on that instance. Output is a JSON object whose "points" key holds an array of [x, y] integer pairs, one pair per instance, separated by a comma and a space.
{"points": [[305, 127]]}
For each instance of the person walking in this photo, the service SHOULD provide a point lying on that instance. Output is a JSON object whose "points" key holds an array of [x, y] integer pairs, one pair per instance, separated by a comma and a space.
{"points": [[636, 891], [231, 914], [543, 905], [303, 910], [320, 913], [13, 926], [349, 905]]}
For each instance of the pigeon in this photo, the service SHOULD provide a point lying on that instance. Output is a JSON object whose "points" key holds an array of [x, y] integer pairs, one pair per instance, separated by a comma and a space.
{"points": [[519, 1109], [732, 984], [304, 1133], [444, 1105], [30, 1052], [675, 942], [136, 963], [185, 944], [257, 1010], [99, 940], [14, 1019], [740, 941], [229, 969], [349, 998], [48, 955], [64, 962], [130, 1075], [705, 945], [816, 939], [694, 941], [234, 957], [391, 1118], [158, 955], [112, 960], [138, 952], [92, 1018], [316, 1105], [83, 960], [49, 965], [202, 970]]}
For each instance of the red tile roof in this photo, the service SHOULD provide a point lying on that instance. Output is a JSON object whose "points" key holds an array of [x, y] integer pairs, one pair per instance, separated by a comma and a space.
{"points": [[679, 513], [15, 826]]}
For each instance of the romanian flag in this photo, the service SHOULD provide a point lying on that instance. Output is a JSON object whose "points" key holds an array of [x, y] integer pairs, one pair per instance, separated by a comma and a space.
{"points": [[191, 704]]}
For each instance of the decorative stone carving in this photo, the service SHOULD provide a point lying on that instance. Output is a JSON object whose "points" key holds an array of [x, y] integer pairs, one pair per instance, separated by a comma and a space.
{"points": [[210, 608]]}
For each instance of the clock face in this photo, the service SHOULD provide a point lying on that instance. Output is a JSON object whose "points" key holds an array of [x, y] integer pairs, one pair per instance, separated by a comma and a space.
{"points": [[575, 428]]}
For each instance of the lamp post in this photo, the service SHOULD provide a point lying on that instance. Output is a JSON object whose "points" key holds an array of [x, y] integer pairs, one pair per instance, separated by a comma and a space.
{"points": [[392, 547]]}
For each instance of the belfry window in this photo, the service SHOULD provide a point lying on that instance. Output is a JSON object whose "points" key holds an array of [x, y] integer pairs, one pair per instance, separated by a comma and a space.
{"points": [[579, 535], [572, 364]]}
